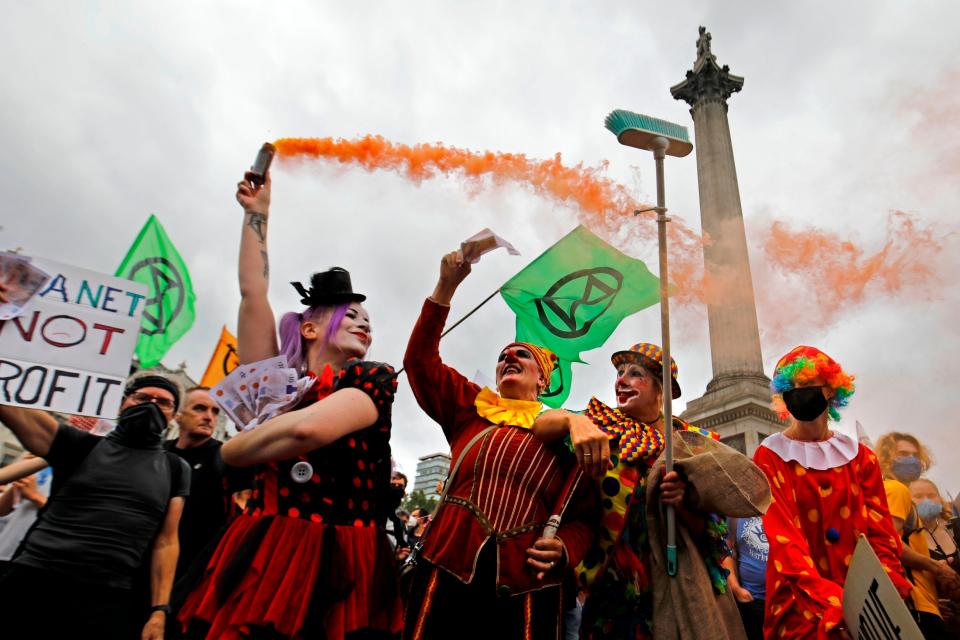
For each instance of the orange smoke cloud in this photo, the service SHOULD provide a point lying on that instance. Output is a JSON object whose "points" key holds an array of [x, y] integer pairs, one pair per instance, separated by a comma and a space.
{"points": [[601, 204], [837, 270]]}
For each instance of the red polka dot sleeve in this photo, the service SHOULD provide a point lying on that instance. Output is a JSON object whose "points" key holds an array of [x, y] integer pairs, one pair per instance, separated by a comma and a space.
{"points": [[376, 379], [880, 530]]}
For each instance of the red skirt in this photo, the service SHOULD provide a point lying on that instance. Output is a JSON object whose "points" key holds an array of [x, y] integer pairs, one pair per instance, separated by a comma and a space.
{"points": [[276, 589]]}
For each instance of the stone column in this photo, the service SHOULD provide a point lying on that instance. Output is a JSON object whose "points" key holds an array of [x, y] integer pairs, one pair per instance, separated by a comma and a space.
{"points": [[737, 400], [731, 308]]}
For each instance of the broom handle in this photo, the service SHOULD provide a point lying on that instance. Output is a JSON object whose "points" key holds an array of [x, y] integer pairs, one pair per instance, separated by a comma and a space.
{"points": [[659, 152]]}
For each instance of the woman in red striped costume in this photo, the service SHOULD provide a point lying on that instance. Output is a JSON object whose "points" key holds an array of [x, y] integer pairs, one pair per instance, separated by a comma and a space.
{"points": [[486, 570]]}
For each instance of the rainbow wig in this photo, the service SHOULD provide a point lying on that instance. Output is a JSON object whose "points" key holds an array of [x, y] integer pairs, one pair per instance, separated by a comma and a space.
{"points": [[809, 364]]}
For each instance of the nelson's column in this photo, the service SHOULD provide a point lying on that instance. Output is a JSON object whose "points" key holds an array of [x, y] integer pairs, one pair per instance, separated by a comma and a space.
{"points": [[737, 401]]}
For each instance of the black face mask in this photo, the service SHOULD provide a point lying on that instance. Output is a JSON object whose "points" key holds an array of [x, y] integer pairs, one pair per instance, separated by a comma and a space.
{"points": [[394, 497], [805, 404], [140, 426]]}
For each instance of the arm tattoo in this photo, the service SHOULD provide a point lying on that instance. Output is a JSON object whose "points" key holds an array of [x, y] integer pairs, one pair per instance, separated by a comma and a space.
{"points": [[257, 222], [266, 263]]}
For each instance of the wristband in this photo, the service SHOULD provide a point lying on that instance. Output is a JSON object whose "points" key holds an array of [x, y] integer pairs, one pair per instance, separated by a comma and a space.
{"points": [[162, 607]]}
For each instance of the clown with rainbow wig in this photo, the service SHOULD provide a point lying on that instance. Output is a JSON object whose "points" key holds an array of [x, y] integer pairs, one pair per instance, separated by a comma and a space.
{"points": [[827, 491]]}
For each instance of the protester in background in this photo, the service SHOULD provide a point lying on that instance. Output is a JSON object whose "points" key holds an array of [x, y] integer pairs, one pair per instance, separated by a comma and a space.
{"points": [[748, 571], [486, 569], [903, 459], [212, 482], [935, 514], [113, 499], [620, 446], [308, 557], [20, 503], [827, 489], [394, 526]]}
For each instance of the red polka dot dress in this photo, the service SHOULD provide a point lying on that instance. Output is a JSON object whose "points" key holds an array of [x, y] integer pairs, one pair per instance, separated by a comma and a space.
{"points": [[825, 495], [309, 557]]}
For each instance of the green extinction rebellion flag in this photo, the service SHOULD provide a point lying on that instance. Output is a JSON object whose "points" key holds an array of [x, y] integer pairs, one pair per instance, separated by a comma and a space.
{"points": [[169, 310], [572, 297]]}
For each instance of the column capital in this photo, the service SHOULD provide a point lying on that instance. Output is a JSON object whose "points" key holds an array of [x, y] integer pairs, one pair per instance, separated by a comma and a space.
{"points": [[707, 81]]}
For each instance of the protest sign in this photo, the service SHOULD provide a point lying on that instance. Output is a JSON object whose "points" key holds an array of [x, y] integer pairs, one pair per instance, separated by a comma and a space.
{"points": [[872, 608], [70, 350]]}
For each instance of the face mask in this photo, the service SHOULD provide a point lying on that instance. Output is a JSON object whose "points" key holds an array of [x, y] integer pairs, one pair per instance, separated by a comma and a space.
{"points": [[805, 404], [140, 426], [412, 523], [907, 468], [929, 510], [395, 496]]}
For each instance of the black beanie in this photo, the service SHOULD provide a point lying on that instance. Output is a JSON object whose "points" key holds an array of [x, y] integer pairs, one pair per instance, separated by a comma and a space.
{"points": [[160, 382]]}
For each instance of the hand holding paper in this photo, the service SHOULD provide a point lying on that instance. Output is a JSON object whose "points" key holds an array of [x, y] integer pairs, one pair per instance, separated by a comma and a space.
{"points": [[484, 242]]}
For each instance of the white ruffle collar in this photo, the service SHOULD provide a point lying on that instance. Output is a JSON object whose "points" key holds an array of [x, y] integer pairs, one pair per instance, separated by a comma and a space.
{"points": [[825, 454]]}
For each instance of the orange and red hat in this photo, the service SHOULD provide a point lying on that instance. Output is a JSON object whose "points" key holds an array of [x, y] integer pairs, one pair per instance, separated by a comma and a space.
{"points": [[650, 356], [546, 359]]}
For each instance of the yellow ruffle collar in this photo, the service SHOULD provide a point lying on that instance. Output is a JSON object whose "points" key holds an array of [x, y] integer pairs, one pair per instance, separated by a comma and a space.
{"points": [[516, 413]]}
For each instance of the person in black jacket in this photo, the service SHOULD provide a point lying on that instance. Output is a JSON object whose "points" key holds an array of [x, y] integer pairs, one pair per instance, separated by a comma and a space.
{"points": [[114, 500]]}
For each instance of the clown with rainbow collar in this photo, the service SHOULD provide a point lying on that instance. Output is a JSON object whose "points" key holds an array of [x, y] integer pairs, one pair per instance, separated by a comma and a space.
{"points": [[619, 446]]}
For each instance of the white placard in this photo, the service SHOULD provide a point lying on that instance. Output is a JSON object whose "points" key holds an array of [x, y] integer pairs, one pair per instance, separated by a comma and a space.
{"points": [[872, 608], [70, 348]]}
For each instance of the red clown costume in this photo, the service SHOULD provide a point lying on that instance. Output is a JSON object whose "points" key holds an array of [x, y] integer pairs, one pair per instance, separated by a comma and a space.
{"points": [[825, 495], [474, 568]]}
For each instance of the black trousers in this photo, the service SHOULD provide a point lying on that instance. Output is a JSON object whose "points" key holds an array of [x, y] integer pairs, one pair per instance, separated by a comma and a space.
{"points": [[931, 626], [43, 604], [440, 607], [752, 615]]}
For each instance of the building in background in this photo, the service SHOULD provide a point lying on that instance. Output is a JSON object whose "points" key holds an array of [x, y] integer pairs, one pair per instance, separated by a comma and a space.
{"points": [[432, 469]]}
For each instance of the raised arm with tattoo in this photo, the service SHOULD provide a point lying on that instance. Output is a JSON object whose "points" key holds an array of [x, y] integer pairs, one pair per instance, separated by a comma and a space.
{"points": [[256, 327]]}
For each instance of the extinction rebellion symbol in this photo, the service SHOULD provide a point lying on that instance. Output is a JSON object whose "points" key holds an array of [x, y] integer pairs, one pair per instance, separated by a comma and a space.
{"points": [[591, 290], [230, 360], [556, 386], [166, 287]]}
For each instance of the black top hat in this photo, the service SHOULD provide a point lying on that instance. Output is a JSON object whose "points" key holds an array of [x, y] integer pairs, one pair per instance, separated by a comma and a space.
{"points": [[329, 287]]}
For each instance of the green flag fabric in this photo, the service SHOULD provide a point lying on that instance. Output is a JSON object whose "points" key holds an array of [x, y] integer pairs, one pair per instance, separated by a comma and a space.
{"points": [[572, 297], [169, 310]]}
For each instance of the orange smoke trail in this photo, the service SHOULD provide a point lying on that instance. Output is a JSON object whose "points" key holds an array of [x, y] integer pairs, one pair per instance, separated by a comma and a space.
{"points": [[602, 205], [840, 273]]}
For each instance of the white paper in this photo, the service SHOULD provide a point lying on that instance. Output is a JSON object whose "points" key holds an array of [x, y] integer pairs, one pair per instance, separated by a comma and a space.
{"points": [[484, 242]]}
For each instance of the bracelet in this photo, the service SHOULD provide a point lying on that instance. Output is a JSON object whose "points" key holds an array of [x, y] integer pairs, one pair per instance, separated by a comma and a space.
{"points": [[167, 609]]}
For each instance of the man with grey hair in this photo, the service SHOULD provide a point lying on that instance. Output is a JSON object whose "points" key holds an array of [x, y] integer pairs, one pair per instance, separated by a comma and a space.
{"points": [[113, 500]]}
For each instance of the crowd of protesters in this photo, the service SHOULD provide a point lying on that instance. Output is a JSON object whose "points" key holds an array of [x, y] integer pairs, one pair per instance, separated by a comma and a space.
{"points": [[551, 523]]}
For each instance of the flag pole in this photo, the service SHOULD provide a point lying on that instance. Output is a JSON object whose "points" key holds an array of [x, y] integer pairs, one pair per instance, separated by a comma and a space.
{"points": [[470, 313], [460, 321]]}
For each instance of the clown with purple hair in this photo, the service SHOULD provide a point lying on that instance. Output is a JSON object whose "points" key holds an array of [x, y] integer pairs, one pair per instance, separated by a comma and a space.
{"points": [[827, 491], [308, 557]]}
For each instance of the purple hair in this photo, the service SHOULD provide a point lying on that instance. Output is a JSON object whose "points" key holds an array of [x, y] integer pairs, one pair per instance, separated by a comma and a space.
{"points": [[292, 342]]}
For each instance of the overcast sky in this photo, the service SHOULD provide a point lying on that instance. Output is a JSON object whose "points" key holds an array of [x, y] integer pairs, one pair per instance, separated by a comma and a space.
{"points": [[850, 111]]}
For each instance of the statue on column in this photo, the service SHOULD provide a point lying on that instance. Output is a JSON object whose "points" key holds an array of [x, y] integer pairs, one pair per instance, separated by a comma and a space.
{"points": [[703, 44]]}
